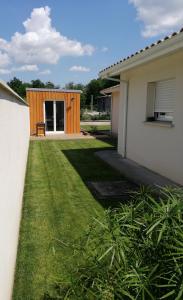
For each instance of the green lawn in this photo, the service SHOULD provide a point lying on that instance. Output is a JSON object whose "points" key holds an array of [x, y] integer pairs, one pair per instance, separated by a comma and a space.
{"points": [[57, 206], [91, 128]]}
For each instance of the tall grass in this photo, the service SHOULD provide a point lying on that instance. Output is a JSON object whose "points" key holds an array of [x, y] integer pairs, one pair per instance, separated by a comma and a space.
{"points": [[133, 252]]}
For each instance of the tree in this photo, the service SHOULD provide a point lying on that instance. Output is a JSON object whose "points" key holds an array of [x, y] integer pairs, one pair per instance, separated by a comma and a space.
{"points": [[94, 88], [51, 85], [77, 86], [37, 83], [18, 86]]}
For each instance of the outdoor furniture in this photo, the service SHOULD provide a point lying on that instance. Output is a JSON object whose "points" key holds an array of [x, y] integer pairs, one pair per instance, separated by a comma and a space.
{"points": [[40, 129]]}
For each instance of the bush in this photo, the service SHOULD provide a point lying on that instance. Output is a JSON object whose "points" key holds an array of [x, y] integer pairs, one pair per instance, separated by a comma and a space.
{"points": [[134, 252], [101, 117], [86, 117]]}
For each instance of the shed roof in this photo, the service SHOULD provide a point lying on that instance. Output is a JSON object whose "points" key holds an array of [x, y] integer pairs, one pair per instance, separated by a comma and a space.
{"points": [[167, 45], [53, 90], [4, 85]]}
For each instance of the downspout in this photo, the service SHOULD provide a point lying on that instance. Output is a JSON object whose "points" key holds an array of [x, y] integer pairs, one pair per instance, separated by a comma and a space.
{"points": [[125, 111]]}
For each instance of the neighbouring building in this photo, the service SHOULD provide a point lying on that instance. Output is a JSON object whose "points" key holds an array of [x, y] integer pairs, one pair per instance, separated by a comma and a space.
{"points": [[150, 124], [58, 109], [104, 104], [114, 95], [14, 143]]}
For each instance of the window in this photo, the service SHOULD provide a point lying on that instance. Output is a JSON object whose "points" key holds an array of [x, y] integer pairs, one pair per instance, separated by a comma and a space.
{"points": [[161, 100]]}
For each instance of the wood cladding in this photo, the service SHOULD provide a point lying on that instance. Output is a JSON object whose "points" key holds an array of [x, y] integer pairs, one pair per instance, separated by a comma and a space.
{"points": [[36, 101]]}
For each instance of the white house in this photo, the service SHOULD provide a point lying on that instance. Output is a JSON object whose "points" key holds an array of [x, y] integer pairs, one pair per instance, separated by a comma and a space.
{"points": [[114, 92], [14, 142], [150, 125]]}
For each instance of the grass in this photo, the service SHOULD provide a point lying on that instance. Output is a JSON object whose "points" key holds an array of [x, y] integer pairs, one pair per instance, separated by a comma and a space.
{"points": [[91, 128], [57, 206]]}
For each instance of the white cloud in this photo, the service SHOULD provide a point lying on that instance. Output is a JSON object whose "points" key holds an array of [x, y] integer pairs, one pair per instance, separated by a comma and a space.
{"points": [[26, 68], [79, 69], [41, 43], [104, 49], [45, 72], [5, 71], [4, 59], [159, 16]]}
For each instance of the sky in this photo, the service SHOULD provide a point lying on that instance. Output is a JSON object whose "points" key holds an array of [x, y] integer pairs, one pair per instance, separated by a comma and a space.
{"points": [[68, 40]]}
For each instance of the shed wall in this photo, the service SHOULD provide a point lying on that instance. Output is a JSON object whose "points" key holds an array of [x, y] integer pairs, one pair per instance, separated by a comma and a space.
{"points": [[36, 101]]}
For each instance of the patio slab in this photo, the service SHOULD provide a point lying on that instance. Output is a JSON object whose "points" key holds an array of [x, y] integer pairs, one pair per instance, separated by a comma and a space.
{"points": [[122, 189], [135, 172]]}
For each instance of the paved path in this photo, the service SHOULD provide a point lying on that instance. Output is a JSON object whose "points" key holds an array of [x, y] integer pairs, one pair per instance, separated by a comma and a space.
{"points": [[95, 123], [133, 171], [62, 137]]}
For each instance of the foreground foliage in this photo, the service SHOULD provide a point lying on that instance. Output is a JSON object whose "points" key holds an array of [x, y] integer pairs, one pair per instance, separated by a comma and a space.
{"points": [[133, 252]]}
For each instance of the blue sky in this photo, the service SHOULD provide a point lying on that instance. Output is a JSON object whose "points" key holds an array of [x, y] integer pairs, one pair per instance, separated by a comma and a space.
{"points": [[71, 40]]}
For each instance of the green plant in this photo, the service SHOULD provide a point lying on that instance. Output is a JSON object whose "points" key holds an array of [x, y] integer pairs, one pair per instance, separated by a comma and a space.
{"points": [[85, 117], [134, 252]]}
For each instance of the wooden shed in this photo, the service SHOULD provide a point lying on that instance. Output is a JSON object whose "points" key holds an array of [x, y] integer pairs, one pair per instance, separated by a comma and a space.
{"points": [[58, 109]]}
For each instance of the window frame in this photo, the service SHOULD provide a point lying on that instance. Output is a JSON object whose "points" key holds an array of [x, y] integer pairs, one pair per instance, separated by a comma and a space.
{"points": [[151, 114]]}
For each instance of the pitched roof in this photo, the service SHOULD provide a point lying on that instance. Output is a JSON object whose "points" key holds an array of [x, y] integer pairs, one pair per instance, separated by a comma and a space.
{"points": [[166, 42], [111, 89]]}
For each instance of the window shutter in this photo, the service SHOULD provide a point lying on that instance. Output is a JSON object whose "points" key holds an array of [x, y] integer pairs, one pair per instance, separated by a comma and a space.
{"points": [[151, 92], [165, 96]]}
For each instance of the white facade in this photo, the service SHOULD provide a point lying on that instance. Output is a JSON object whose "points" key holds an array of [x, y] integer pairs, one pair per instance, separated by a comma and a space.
{"points": [[14, 142], [114, 91], [155, 145], [115, 112], [150, 125]]}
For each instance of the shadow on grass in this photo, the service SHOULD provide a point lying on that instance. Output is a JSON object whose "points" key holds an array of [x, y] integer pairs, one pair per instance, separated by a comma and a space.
{"points": [[91, 168]]}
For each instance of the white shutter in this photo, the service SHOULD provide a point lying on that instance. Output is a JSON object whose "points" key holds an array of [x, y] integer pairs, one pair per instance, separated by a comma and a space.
{"points": [[165, 96]]}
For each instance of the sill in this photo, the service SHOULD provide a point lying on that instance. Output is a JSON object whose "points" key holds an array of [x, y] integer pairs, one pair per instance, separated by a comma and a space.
{"points": [[160, 123]]}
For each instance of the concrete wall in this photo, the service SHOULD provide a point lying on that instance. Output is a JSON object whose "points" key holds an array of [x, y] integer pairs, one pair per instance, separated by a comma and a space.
{"points": [[14, 141], [149, 144], [115, 113]]}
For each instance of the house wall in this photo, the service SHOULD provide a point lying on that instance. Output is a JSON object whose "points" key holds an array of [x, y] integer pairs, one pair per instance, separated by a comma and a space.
{"points": [[14, 142], [72, 109], [154, 146], [115, 113]]}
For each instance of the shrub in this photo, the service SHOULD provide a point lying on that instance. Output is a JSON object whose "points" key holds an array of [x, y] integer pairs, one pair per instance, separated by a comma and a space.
{"points": [[86, 117], [104, 116], [134, 252]]}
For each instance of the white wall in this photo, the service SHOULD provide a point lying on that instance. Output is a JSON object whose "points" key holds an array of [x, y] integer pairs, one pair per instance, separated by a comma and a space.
{"points": [[155, 147], [115, 113], [14, 141]]}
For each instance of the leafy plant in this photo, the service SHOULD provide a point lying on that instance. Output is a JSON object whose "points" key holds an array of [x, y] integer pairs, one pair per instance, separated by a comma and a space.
{"points": [[134, 252]]}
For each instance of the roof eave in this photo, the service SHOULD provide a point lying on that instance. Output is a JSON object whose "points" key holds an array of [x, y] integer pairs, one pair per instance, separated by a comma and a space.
{"points": [[165, 48], [54, 90], [12, 92], [111, 90]]}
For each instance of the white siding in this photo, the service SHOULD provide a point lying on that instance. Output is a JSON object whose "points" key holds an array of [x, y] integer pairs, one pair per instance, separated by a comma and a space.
{"points": [[156, 147], [115, 113], [14, 141]]}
